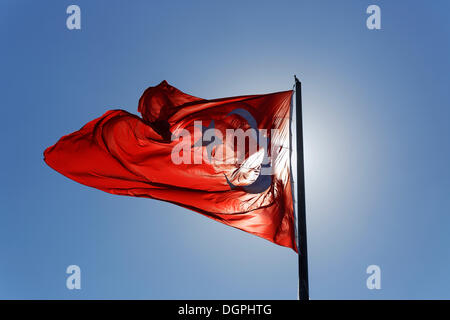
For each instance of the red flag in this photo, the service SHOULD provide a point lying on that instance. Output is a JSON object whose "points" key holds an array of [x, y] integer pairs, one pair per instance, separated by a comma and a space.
{"points": [[227, 158]]}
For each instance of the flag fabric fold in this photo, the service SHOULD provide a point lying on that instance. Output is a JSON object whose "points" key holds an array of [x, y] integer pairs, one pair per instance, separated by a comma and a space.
{"points": [[195, 153]]}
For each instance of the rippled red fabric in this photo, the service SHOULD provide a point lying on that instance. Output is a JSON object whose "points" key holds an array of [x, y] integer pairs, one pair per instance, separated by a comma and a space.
{"points": [[124, 154]]}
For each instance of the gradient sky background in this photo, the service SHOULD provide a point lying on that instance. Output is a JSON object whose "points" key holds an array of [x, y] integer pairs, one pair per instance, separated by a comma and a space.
{"points": [[376, 128]]}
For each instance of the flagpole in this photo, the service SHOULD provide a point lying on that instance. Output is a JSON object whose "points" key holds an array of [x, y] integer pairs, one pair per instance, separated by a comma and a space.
{"points": [[303, 286]]}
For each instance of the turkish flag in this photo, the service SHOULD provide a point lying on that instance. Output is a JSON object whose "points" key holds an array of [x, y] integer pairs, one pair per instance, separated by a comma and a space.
{"points": [[228, 158]]}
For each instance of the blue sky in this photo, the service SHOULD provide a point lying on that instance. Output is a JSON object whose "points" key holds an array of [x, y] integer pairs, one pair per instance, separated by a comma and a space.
{"points": [[376, 129]]}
